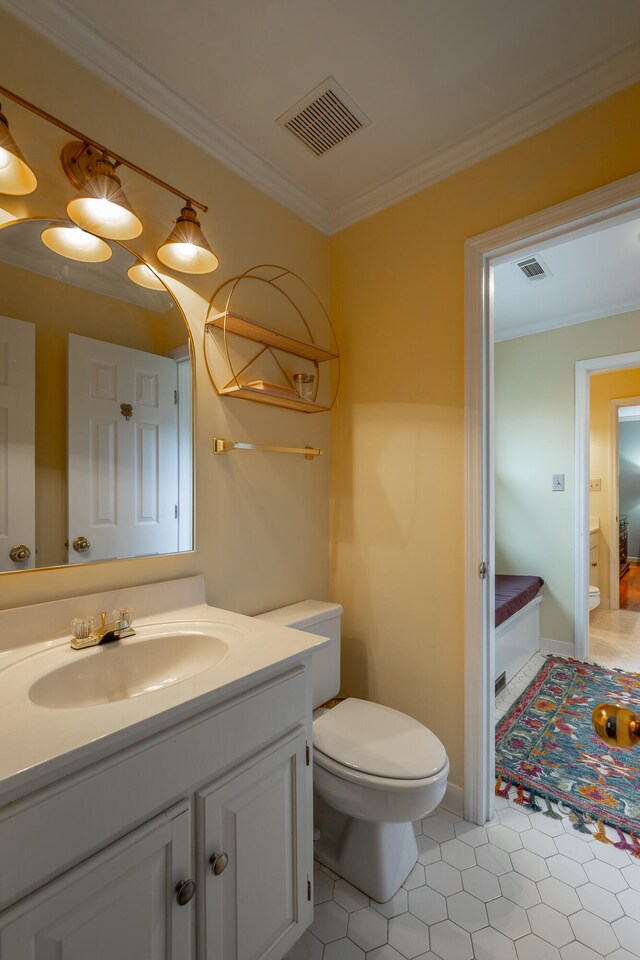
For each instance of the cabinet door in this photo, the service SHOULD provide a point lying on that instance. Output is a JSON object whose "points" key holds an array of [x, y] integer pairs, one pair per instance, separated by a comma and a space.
{"points": [[119, 905], [260, 817]]}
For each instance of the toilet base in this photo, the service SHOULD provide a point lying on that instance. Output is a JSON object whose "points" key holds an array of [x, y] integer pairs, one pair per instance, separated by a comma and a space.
{"points": [[376, 857]]}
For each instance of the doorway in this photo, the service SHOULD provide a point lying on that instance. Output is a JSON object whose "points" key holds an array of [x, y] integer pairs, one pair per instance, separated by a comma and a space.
{"points": [[587, 213]]}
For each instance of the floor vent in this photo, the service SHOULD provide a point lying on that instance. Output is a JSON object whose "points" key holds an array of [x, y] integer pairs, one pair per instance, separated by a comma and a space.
{"points": [[501, 682], [324, 118], [533, 268]]}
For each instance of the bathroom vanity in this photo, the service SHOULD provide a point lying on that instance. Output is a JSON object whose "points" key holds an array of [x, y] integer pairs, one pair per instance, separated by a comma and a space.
{"points": [[172, 821]]}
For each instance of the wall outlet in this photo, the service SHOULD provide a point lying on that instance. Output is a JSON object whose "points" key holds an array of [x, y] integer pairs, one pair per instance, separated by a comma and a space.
{"points": [[557, 481], [595, 485]]}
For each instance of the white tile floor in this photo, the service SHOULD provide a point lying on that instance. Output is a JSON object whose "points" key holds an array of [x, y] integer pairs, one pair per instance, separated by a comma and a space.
{"points": [[614, 638], [526, 887]]}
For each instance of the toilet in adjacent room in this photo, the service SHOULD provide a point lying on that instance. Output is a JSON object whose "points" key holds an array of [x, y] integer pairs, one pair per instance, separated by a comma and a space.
{"points": [[594, 597], [376, 770]]}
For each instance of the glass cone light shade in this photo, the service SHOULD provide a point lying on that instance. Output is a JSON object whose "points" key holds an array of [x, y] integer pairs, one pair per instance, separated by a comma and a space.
{"points": [[144, 276], [186, 249], [16, 176], [75, 244], [103, 208]]}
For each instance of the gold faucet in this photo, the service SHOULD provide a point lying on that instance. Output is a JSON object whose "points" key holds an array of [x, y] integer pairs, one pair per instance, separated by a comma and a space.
{"points": [[105, 633], [616, 725]]}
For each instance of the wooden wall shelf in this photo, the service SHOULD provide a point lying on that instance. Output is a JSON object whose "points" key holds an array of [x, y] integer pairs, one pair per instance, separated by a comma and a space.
{"points": [[244, 380], [250, 330]]}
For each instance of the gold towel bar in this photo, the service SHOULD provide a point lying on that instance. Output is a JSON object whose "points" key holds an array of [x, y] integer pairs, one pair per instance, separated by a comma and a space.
{"points": [[220, 445]]}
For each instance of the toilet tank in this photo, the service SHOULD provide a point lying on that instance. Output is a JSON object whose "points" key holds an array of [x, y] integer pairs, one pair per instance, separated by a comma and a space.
{"points": [[322, 619]]}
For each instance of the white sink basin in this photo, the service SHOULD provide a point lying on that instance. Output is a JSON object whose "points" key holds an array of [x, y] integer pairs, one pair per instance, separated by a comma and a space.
{"points": [[128, 668]]}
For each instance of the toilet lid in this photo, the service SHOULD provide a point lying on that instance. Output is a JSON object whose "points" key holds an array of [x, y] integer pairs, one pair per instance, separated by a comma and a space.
{"points": [[593, 590], [379, 741]]}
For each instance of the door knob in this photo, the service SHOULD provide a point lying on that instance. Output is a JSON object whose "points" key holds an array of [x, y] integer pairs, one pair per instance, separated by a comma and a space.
{"points": [[218, 863], [81, 544], [19, 553], [616, 725], [185, 891]]}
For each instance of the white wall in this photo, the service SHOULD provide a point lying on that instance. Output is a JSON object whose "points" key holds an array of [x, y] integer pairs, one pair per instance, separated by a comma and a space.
{"points": [[534, 425]]}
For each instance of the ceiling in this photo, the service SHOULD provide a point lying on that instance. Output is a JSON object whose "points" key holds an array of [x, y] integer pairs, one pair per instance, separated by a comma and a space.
{"points": [[589, 275], [443, 82]]}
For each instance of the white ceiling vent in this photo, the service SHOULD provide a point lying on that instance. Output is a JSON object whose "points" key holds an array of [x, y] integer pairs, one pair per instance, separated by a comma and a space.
{"points": [[533, 268], [324, 118]]}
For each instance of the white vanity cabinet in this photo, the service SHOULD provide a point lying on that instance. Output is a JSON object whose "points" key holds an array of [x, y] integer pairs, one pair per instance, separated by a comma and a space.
{"points": [[89, 864], [119, 904], [256, 896]]}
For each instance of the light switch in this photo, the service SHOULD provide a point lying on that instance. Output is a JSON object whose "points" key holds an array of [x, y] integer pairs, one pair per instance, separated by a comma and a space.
{"points": [[557, 481], [595, 485]]}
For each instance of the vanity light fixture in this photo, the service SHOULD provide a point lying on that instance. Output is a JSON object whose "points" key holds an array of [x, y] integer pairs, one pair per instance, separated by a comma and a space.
{"points": [[76, 244], [16, 176], [102, 207], [144, 276], [186, 248]]}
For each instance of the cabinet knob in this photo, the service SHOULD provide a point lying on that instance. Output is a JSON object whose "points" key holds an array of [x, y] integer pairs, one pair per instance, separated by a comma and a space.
{"points": [[185, 891], [218, 863]]}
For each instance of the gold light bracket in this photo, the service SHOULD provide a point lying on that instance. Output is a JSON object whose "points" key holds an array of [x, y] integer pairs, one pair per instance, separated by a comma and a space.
{"points": [[78, 161]]}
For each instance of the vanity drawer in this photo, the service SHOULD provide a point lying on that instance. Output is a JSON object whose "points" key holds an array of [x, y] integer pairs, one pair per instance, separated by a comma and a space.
{"points": [[57, 828]]}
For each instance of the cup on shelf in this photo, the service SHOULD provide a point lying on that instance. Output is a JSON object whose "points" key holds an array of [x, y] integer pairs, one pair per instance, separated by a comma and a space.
{"points": [[303, 383]]}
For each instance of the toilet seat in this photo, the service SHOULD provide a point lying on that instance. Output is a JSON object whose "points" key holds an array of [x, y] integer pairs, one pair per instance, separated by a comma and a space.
{"points": [[374, 782], [593, 591], [363, 741]]}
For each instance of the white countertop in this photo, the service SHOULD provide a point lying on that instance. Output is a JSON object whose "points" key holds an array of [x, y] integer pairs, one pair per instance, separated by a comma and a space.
{"points": [[40, 744]]}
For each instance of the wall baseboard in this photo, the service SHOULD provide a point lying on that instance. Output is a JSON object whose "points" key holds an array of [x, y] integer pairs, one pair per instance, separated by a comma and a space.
{"points": [[560, 647], [454, 799]]}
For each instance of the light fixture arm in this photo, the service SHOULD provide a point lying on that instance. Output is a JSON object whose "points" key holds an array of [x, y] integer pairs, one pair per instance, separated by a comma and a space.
{"points": [[85, 140]]}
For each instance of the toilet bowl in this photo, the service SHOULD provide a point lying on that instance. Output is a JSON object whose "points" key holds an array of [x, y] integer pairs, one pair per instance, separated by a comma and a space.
{"points": [[594, 597], [376, 770]]}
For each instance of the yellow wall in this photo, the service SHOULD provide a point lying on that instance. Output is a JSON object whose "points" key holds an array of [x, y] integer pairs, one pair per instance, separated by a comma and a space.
{"points": [[261, 521], [397, 485], [604, 388], [534, 438]]}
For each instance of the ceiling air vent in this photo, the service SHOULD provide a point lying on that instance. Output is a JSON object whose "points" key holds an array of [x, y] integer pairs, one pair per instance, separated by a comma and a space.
{"points": [[324, 118], [533, 268]]}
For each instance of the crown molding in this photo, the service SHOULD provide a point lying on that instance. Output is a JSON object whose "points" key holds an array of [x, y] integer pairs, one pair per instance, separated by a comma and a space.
{"points": [[85, 44], [546, 326], [600, 80]]}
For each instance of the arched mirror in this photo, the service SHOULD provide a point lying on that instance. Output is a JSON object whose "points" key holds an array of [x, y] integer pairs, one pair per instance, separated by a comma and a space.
{"points": [[96, 449]]}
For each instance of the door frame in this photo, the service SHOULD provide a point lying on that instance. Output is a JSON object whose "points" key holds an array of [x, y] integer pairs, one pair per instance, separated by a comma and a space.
{"points": [[580, 213], [584, 369], [614, 427]]}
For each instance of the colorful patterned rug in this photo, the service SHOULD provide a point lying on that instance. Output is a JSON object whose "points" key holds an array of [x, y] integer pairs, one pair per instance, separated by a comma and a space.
{"points": [[548, 751]]}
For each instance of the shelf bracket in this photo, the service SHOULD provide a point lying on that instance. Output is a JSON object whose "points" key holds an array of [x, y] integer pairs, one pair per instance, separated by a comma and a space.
{"points": [[220, 445]]}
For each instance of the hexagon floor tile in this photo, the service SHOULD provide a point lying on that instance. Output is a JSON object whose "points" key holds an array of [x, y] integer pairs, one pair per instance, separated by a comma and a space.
{"points": [[525, 887]]}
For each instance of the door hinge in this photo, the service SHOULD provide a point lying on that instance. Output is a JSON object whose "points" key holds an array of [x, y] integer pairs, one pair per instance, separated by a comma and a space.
{"points": [[308, 889], [175, 396], [307, 754], [482, 570]]}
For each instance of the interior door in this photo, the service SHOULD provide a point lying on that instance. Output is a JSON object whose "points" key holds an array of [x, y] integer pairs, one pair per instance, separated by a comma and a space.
{"points": [[122, 452], [17, 442]]}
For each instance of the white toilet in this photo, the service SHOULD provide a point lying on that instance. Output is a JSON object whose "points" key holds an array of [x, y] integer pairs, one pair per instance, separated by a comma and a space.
{"points": [[375, 770], [594, 597]]}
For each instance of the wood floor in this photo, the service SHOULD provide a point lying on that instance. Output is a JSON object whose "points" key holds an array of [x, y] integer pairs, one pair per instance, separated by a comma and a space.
{"points": [[630, 589]]}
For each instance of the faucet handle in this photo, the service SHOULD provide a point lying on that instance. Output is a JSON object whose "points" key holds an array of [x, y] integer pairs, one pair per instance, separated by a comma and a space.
{"points": [[123, 614], [82, 627]]}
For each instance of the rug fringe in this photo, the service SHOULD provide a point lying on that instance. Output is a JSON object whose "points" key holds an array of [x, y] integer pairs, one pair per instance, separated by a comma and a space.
{"points": [[580, 821]]}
